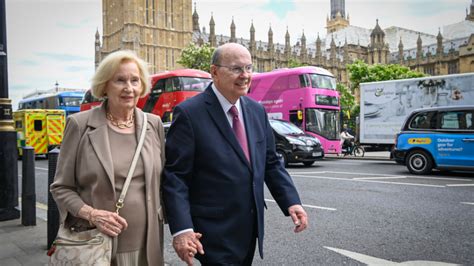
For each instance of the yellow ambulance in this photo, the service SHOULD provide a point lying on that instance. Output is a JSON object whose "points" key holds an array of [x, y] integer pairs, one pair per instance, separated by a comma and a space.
{"points": [[41, 129]]}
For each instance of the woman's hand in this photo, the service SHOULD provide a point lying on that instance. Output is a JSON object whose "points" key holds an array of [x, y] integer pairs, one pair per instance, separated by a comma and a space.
{"points": [[109, 223]]}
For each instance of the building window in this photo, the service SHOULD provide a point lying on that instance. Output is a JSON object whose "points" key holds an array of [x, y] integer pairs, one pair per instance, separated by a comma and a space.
{"points": [[453, 68], [430, 70], [167, 59], [146, 11], [172, 58]]}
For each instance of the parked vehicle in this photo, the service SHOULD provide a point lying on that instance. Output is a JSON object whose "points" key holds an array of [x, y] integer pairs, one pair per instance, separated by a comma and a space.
{"points": [[40, 129], [295, 146], [440, 138], [68, 100], [89, 101], [171, 88], [305, 96], [385, 104]]}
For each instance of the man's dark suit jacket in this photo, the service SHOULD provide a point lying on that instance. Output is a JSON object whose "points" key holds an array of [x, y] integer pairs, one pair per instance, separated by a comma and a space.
{"points": [[208, 183]]}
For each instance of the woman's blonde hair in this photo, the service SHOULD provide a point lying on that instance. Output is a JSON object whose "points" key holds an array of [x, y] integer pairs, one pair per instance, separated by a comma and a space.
{"points": [[110, 65]]}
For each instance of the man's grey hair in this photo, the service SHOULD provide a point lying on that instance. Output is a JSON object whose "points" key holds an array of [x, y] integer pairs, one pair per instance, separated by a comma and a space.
{"points": [[216, 56]]}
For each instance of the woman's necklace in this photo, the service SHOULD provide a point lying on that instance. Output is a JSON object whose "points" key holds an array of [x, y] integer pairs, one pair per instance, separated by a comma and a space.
{"points": [[126, 124]]}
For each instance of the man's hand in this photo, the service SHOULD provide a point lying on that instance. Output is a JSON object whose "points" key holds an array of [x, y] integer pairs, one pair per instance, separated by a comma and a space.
{"points": [[187, 245], [299, 217]]}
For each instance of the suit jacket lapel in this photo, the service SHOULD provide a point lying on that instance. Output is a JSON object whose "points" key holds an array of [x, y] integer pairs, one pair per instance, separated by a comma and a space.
{"points": [[214, 109], [99, 139]]}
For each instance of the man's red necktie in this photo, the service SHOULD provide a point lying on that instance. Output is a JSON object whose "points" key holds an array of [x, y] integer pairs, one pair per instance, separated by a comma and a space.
{"points": [[239, 131]]}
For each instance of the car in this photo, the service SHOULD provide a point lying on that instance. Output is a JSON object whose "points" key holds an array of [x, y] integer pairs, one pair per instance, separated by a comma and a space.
{"points": [[293, 145], [437, 138]]}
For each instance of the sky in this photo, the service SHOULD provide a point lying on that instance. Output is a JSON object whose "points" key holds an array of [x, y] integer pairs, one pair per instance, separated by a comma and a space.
{"points": [[51, 41]]}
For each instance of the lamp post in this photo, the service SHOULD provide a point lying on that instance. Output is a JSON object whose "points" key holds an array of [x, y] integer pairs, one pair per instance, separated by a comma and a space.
{"points": [[8, 151]]}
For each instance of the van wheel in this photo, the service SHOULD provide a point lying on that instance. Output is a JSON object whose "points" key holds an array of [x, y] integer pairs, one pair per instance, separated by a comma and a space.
{"points": [[282, 157], [419, 162], [308, 163]]}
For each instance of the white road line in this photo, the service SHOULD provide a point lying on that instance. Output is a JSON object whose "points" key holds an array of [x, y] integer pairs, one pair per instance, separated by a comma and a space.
{"points": [[309, 206], [372, 181], [442, 178], [40, 168], [379, 177], [468, 203], [460, 185]]}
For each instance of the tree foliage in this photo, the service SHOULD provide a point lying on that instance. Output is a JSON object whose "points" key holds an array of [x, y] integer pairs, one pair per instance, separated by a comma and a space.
{"points": [[197, 57], [295, 63], [349, 107], [360, 72]]}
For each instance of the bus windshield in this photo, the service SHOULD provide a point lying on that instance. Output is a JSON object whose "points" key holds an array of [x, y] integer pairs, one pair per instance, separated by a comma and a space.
{"points": [[70, 101], [194, 84], [323, 122], [322, 82]]}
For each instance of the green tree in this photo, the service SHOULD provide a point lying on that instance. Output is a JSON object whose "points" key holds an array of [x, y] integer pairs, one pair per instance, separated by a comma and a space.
{"points": [[360, 72], [348, 105], [197, 57], [295, 63]]}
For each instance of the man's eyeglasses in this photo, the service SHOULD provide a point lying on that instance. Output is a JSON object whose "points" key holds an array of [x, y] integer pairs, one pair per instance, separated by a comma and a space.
{"points": [[238, 70]]}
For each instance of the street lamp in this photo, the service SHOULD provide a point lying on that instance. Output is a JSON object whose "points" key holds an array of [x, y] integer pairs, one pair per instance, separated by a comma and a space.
{"points": [[8, 151]]}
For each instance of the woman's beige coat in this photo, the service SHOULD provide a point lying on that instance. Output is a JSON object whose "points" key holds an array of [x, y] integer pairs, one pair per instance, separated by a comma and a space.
{"points": [[85, 173]]}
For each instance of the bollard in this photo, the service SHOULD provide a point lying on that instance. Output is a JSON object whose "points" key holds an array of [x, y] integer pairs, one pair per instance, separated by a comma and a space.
{"points": [[53, 213], [28, 195]]}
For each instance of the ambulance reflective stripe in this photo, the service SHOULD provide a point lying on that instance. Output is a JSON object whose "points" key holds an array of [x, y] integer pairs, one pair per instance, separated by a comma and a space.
{"points": [[37, 138], [55, 130]]}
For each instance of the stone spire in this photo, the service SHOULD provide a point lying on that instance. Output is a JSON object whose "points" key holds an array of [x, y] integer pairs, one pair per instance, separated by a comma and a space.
{"points": [[419, 47], [270, 39], [252, 38], [439, 46], [196, 20], [212, 32], [97, 57], [232, 31], [400, 52], [287, 42]]}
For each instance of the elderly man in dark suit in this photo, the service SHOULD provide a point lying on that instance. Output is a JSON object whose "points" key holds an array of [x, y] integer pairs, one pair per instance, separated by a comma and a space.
{"points": [[220, 151]]}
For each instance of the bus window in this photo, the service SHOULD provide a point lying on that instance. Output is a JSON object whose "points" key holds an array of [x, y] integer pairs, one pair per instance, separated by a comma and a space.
{"points": [[154, 95], [280, 84], [304, 81], [172, 84], [293, 82], [322, 82], [323, 122], [194, 84]]}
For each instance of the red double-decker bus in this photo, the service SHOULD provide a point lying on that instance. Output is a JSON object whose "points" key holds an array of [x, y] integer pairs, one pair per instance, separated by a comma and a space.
{"points": [[172, 87], [168, 90]]}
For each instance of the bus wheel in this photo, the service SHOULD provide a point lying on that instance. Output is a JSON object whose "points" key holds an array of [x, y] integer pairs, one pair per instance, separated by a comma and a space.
{"points": [[282, 157], [419, 162], [309, 163]]}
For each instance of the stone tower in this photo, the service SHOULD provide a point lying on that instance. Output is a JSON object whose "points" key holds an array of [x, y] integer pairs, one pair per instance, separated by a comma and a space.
{"points": [[157, 30], [338, 19], [377, 50]]}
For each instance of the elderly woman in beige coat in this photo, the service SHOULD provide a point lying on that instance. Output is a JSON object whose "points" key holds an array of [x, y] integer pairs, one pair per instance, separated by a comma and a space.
{"points": [[95, 157]]}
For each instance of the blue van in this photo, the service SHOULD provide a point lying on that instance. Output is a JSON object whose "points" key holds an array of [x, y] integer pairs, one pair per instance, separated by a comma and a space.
{"points": [[439, 137]]}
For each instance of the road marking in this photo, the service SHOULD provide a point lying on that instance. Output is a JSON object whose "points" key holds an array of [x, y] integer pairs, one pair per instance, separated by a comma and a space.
{"points": [[372, 181], [309, 206], [369, 260], [40, 168], [379, 177], [460, 185], [468, 203], [442, 178]]}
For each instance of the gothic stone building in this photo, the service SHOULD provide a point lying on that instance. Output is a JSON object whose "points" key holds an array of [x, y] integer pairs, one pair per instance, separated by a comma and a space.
{"points": [[158, 30]]}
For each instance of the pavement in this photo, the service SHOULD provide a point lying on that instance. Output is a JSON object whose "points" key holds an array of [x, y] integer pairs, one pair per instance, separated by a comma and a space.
{"points": [[26, 245]]}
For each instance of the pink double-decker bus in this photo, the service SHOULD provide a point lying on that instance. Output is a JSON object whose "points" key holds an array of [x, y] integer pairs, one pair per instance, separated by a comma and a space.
{"points": [[305, 96]]}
